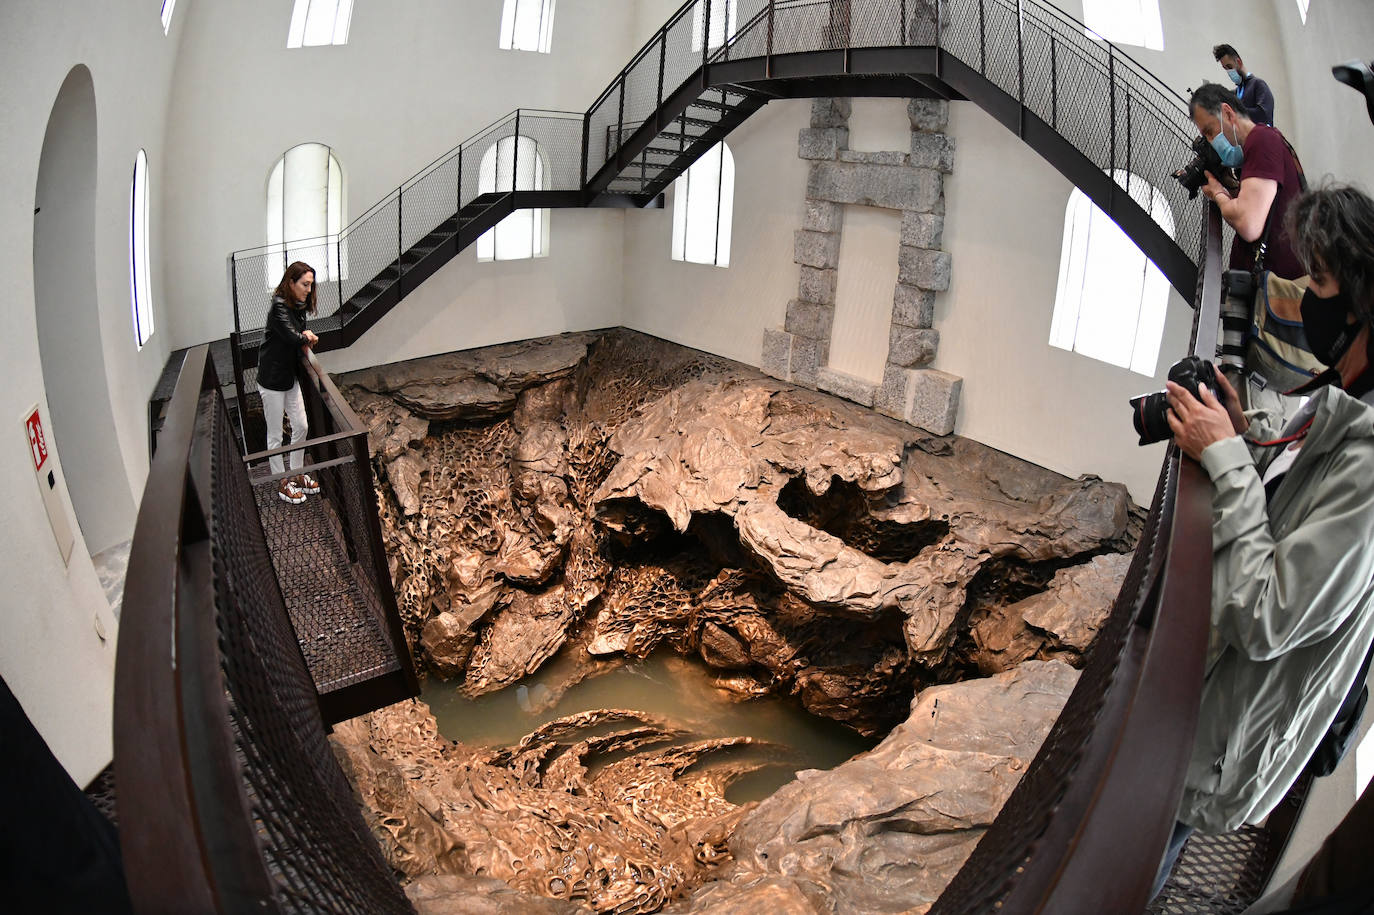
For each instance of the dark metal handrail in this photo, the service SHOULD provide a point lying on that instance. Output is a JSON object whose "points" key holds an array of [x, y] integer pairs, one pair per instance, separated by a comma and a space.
{"points": [[230, 798], [1100, 796]]}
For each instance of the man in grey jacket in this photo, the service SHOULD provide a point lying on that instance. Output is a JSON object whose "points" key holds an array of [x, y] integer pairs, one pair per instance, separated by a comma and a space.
{"points": [[1293, 538]]}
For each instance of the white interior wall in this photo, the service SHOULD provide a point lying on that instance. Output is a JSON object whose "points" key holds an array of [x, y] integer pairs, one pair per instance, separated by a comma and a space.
{"points": [[50, 654], [414, 80], [1332, 131], [725, 310], [468, 304]]}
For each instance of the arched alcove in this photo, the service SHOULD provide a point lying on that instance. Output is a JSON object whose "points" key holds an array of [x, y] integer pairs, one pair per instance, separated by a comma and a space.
{"points": [[64, 294]]}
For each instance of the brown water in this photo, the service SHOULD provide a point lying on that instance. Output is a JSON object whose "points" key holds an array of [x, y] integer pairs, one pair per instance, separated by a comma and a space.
{"points": [[665, 685]]}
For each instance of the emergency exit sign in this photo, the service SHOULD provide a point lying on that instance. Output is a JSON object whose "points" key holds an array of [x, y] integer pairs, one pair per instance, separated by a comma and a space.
{"points": [[38, 444]]}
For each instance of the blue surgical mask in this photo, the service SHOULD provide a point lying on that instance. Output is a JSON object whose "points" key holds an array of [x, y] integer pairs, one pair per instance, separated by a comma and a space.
{"points": [[1232, 156], [1235, 76]]}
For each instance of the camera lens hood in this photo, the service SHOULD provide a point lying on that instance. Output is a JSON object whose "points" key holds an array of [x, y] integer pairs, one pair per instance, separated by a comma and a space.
{"points": [[1357, 75]]}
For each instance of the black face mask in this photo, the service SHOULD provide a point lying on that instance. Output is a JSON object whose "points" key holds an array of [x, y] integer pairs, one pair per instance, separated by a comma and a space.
{"points": [[1324, 324]]}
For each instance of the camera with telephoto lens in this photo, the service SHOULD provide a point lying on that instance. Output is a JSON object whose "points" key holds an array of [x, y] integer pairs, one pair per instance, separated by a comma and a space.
{"points": [[1194, 175], [1150, 411], [1237, 317]]}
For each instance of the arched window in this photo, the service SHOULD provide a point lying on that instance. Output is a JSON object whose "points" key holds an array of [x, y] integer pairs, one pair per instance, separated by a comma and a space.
{"points": [[518, 162], [527, 25], [305, 204], [140, 287], [1111, 298], [167, 7], [319, 22], [723, 16], [1134, 22], [703, 208]]}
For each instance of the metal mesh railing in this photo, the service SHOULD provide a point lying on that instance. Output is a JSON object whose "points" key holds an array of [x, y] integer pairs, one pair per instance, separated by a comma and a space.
{"points": [[379, 246], [231, 798], [314, 845]]}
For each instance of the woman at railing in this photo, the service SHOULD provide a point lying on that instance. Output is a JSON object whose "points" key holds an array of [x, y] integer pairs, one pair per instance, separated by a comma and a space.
{"points": [[1293, 542], [282, 340]]}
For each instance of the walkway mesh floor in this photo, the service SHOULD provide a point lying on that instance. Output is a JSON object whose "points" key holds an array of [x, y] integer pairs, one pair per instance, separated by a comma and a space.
{"points": [[340, 636], [1216, 875]]}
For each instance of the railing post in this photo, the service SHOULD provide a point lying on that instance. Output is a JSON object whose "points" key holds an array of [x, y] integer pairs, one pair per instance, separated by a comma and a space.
{"points": [[768, 57], [400, 244], [620, 119], [725, 30], [662, 61], [1020, 71], [338, 272], [982, 38], [705, 37], [1054, 84], [458, 192], [1111, 82], [515, 159], [939, 38], [586, 145], [901, 22]]}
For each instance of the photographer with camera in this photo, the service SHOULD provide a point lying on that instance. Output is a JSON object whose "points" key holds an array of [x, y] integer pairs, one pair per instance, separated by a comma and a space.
{"points": [[1254, 93], [1270, 179], [1293, 543]]}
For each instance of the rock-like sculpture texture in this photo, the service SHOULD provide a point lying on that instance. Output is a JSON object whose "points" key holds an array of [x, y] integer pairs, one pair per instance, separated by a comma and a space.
{"points": [[585, 499]]}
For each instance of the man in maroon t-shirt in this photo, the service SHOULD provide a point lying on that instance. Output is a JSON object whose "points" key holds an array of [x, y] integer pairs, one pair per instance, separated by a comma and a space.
{"points": [[1269, 179]]}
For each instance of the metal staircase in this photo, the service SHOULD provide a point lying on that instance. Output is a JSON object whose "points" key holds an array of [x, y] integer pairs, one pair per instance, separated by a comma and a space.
{"points": [[1084, 105]]}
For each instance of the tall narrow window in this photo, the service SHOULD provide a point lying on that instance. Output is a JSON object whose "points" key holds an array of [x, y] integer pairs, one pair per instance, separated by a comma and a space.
{"points": [[514, 163], [167, 6], [1111, 300], [723, 16], [140, 289], [319, 22], [305, 212], [527, 25], [703, 209], [1302, 10], [1134, 22]]}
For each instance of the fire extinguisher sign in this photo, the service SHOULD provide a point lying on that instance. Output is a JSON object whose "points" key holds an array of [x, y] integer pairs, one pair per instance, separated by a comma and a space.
{"points": [[38, 444]]}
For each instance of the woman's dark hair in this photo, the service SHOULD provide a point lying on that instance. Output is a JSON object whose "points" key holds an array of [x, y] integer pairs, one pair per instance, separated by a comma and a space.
{"points": [[293, 273], [1332, 229]]}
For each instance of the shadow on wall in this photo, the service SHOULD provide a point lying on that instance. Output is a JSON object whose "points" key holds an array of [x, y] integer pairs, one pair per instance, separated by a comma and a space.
{"points": [[69, 344]]}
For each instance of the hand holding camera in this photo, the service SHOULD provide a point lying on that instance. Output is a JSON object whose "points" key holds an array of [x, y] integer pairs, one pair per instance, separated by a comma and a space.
{"points": [[1194, 396]]}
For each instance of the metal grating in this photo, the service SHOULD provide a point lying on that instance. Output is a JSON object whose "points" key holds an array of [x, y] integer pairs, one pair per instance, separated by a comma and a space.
{"points": [[318, 853], [1217, 874], [336, 621]]}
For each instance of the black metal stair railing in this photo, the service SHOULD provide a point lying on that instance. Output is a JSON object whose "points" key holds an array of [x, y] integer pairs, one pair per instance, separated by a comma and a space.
{"points": [[1113, 128]]}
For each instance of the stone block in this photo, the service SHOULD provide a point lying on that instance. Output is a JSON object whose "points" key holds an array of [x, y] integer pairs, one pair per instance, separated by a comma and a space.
{"points": [[891, 186], [890, 398], [910, 347], [932, 150], [830, 112], [822, 216], [933, 400], [913, 306], [846, 386], [923, 267], [816, 249], [928, 115], [873, 158], [821, 142], [809, 319], [922, 230], [817, 285], [777, 353], [807, 357]]}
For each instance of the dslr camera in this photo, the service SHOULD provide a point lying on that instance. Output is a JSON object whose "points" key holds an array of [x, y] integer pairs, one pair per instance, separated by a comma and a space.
{"points": [[1205, 159], [1149, 411]]}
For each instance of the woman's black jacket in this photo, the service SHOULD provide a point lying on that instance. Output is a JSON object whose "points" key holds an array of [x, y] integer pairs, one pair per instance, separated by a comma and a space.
{"points": [[282, 340]]}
